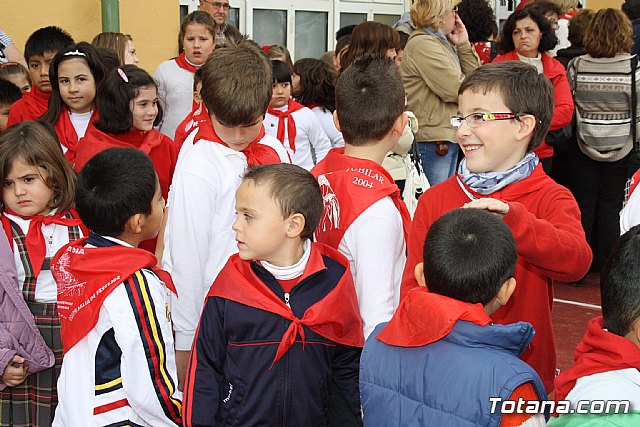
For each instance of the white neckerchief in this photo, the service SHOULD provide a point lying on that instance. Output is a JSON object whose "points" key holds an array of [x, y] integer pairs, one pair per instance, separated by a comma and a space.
{"points": [[536, 62], [292, 271]]}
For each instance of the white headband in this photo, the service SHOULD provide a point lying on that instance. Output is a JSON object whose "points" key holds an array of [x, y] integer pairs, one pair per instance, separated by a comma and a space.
{"points": [[75, 53]]}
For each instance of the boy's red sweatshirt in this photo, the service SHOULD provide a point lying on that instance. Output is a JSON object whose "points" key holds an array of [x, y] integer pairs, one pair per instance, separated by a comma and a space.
{"points": [[545, 221], [32, 105]]}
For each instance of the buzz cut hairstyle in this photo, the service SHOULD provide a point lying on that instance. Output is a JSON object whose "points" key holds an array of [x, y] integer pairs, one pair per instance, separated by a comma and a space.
{"points": [[620, 284], [113, 186], [237, 84], [9, 93], [293, 189], [46, 39], [468, 255], [369, 99], [514, 82]]}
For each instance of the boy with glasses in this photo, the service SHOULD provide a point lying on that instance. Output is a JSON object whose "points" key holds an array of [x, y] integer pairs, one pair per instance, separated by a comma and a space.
{"points": [[499, 124]]}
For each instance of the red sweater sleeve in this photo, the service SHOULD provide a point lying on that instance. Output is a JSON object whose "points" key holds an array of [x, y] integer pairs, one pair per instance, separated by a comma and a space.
{"points": [[562, 99], [556, 244]]}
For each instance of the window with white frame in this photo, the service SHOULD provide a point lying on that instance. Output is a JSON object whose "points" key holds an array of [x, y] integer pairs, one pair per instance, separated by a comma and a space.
{"points": [[307, 28]]}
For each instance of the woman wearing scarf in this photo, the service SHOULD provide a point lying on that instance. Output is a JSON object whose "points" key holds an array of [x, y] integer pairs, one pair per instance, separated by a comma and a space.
{"points": [[436, 60]]}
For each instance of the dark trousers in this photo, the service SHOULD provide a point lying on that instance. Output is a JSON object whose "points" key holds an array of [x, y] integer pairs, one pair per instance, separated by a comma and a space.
{"points": [[599, 190]]}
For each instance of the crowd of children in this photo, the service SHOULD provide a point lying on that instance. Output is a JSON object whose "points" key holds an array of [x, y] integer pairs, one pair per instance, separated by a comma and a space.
{"points": [[285, 282]]}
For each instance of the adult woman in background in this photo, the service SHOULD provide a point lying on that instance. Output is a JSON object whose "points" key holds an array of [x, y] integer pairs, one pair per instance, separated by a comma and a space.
{"points": [[603, 127], [526, 37], [121, 44], [436, 60], [371, 38]]}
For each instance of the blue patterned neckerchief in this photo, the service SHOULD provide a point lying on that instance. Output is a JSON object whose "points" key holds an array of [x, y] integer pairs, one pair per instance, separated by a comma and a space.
{"points": [[486, 183]]}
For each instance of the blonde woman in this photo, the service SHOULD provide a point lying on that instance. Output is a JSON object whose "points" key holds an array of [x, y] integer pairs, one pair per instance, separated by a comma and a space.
{"points": [[436, 59]]}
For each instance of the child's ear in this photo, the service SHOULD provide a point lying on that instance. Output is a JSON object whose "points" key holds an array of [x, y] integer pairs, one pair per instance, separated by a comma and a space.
{"points": [[336, 121], [419, 273], [505, 292], [296, 225], [526, 126], [134, 224]]}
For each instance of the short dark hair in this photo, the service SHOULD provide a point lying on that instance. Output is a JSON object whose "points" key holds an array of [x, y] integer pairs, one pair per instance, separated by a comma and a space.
{"points": [[347, 30], [544, 6], [114, 96], [9, 93], [371, 38], [47, 39], [468, 255], [281, 71], [237, 84], [317, 83], [83, 51], [515, 81], [620, 284], [548, 41], [631, 8], [479, 19], [114, 185], [293, 189], [369, 99], [8, 69], [404, 39]]}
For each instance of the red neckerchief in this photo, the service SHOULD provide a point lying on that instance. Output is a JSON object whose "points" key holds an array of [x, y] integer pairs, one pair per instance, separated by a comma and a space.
{"points": [[34, 240], [311, 105], [198, 114], [31, 106], [600, 351], [424, 317], [86, 276], [95, 141], [335, 317], [635, 179], [184, 64], [346, 176], [67, 134], [292, 107], [256, 153]]}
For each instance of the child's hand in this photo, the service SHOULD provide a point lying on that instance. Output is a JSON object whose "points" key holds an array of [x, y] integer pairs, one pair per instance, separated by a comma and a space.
{"points": [[488, 204], [459, 36], [15, 372]]}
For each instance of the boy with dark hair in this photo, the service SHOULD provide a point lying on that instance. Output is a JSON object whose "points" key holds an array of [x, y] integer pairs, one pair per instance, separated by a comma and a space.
{"points": [[236, 90], [499, 124], [9, 94], [39, 51], [441, 352], [119, 365], [607, 361], [279, 338], [365, 217]]}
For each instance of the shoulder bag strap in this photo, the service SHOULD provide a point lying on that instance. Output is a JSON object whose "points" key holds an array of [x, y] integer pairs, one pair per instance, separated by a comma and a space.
{"points": [[634, 101]]}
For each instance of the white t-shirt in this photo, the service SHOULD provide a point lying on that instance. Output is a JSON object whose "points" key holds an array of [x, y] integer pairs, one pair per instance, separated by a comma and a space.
{"points": [[325, 117], [175, 91]]}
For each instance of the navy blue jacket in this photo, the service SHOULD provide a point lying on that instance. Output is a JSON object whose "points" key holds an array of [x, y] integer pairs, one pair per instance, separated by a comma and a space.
{"points": [[448, 382], [236, 344]]}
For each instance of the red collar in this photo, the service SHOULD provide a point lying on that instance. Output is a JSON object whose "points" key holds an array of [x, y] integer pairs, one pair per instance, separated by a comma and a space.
{"points": [[335, 317], [86, 276], [424, 317], [600, 351], [184, 64], [292, 107]]}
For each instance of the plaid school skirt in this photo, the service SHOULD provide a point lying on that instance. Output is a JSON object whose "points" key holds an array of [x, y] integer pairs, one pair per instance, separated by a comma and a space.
{"points": [[33, 403]]}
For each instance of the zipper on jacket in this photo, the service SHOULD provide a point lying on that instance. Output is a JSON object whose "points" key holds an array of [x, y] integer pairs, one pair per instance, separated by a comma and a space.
{"points": [[287, 298]]}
